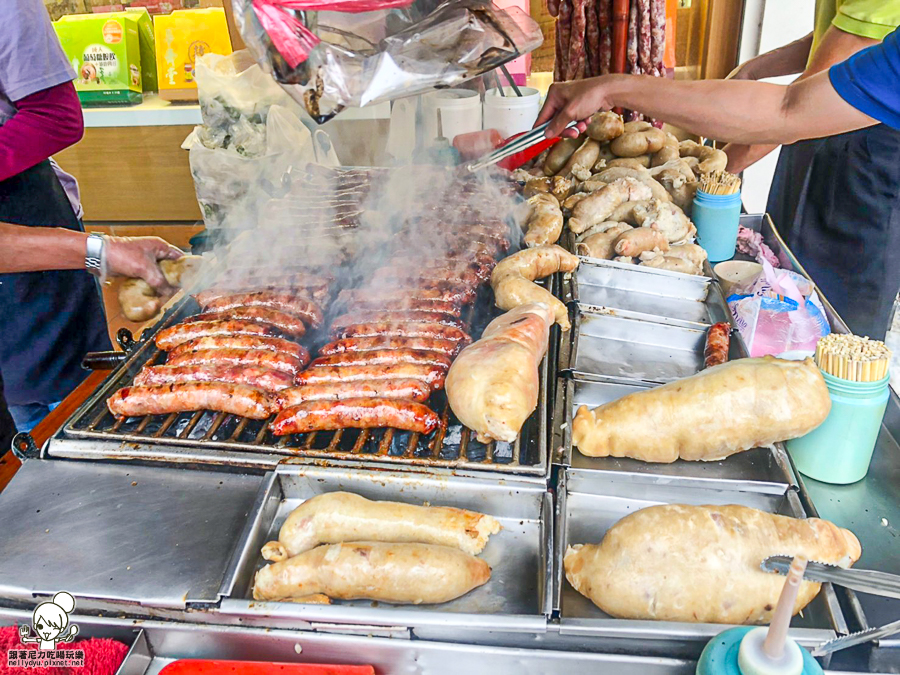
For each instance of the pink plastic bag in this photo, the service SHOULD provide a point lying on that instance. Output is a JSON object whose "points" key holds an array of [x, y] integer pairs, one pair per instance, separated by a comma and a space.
{"points": [[776, 318]]}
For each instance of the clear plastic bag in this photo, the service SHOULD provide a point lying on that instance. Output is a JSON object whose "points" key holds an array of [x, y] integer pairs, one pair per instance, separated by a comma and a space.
{"points": [[329, 60], [776, 317]]}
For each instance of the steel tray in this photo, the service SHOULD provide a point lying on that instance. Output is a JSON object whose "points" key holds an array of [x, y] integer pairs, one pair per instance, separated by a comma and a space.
{"points": [[589, 503], [517, 598], [637, 292], [760, 469], [604, 346]]}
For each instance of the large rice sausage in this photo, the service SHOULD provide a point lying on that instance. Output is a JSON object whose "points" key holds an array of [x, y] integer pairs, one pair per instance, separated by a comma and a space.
{"points": [[355, 413], [334, 517], [400, 388], [267, 379], [173, 336], [239, 357], [284, 322], [378, 357], [433, 375], [162, 399], [396, 573], [272, 344]]}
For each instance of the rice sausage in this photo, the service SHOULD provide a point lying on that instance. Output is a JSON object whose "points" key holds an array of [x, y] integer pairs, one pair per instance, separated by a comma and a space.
{"points": [[355, 413], [171, 337], [402, 388], [162, 399], [395, 573], [334, 517], [239, 357], [267, 379]]}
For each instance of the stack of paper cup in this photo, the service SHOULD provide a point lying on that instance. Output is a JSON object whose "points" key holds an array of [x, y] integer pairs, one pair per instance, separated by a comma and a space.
{"points": [[511, 114]]}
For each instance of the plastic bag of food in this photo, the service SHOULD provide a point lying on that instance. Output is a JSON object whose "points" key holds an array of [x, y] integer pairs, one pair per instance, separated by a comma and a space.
{"points": [[777, 318], [331, 54]]}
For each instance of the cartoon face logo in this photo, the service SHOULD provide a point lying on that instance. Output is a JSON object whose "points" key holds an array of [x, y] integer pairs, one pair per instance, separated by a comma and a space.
{"points": [[49, 621]]}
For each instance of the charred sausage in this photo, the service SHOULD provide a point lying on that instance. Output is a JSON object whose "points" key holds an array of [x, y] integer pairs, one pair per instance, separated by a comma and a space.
{"points": [[402, 388], [407, 305], [402, 316], [430, 330], [272, 344], [379, 357], [173, 336], [356, 413], [366, 344], [267, 379], [718, 340], [284, 322], [431, 375], [307, 310], [239, 357], [162, 399]]}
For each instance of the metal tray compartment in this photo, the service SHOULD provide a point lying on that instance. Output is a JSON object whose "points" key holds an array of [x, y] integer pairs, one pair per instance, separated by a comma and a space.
{"points": [[760, 469], [604, 346], [642, 293], [589, 503], [517, 598]]}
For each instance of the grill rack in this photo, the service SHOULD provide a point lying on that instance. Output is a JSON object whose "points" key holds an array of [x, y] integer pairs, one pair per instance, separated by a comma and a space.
{"points": [[450, 446]]}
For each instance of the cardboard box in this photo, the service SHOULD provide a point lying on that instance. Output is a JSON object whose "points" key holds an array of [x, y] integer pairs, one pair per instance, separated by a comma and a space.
{"points": [[105, 52], [182, 37], [147, 45]]}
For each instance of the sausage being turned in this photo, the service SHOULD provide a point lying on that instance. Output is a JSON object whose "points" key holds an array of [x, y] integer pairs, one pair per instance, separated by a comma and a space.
{"points": [[162, 399], [432, 375], [239, 357], [355, 413], [249, 342], [429, 330], [334, 517], [400, 388], [267, 379], [377, 357], [284, 322], [396, 573], [173, 336], [367, 344]]}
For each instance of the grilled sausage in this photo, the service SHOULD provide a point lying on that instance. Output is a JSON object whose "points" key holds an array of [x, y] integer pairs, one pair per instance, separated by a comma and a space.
{"points": [[162, 399], [377, 357], [718, 340], [394, 295], [407, 305], [401, 388], [463, 274], [355, 413], [267, 379], [316, 292], [272, 344], [430, 330], [261, 358], [284, 322], [367, 344], [401, 316], [432, 375], [307, 310], [173, 336], [459, 293]]}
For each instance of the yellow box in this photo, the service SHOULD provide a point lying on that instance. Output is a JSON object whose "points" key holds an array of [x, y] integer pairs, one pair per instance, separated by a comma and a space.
{"points": [[181, 37]]}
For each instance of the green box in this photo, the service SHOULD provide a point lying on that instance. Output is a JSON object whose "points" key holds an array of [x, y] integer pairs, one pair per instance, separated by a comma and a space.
{"points": [[147, 43], [105, 52]]}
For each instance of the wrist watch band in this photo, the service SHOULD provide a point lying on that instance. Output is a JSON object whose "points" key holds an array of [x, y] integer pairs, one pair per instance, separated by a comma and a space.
{"points": [[93, 254]]}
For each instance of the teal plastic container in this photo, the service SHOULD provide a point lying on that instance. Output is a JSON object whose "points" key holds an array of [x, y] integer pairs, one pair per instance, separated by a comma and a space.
{"points": [[840, 450], [717, 218], [720, 656]]}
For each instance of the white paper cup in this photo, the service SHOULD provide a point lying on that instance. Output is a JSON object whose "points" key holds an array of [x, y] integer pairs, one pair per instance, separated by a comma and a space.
{"points": [[460, 111], [511, 114], [734, 272]]}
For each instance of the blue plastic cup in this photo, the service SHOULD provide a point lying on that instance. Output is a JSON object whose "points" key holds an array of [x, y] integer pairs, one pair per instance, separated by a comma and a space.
{"points": [[717, 218], [839, 451]]}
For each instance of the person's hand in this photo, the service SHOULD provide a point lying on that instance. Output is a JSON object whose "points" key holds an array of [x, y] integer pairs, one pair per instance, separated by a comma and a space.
{"points": [[568, 101], [744, 71], [139, 257]]}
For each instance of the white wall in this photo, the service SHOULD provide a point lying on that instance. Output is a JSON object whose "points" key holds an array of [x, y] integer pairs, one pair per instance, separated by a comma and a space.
{"points": [[769, 24]]}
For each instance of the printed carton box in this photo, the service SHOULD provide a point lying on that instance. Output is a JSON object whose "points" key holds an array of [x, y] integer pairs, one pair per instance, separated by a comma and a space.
{"points": [[181, 38]]}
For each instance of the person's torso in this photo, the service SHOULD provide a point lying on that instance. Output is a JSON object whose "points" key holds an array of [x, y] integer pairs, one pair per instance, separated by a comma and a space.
{"points": [[872, 18]]}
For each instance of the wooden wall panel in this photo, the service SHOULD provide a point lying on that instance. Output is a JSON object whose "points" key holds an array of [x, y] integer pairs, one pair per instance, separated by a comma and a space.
{"points": [[133, 174]]}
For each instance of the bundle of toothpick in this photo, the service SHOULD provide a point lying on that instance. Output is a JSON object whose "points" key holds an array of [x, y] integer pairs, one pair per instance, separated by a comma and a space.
{"points": [[853, 358], [720, 183]]}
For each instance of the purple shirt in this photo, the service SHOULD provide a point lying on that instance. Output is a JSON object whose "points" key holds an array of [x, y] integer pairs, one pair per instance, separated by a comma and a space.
{"points": [[31, 60]]}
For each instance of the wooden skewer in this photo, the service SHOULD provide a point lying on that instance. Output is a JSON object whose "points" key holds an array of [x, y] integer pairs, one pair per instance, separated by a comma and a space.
{"points": [[853, 358]]}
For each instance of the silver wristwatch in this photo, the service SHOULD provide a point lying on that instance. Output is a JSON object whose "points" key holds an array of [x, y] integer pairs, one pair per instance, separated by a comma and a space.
{"points": [[93, 254]]}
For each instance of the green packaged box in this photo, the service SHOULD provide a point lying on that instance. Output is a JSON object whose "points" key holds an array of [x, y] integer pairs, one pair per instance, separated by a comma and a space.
{"points": [[147, 45], [105, 52]]}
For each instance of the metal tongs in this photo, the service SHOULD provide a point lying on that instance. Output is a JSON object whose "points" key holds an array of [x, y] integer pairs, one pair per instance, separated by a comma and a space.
{"points": [[864, 581], [519, 144]]}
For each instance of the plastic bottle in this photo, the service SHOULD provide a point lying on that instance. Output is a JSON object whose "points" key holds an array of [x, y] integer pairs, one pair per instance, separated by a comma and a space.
{"points": [[717, 218]]}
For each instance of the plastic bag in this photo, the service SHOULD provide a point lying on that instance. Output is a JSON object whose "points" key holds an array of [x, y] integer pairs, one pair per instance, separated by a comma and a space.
{"points": [[329, 60], [777, 317]]}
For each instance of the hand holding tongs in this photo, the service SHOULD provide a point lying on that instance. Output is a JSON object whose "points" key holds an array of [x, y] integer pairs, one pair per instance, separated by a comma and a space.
{"points": [[516, 145], [865, 581]]}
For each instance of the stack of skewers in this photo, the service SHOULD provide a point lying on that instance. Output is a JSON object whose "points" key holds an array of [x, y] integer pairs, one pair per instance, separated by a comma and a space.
{"points": [[853, 358]]}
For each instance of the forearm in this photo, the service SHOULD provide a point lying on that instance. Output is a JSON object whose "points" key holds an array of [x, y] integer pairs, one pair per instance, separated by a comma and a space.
{"points": [[37, 249], [742, 156], [787, 60]]}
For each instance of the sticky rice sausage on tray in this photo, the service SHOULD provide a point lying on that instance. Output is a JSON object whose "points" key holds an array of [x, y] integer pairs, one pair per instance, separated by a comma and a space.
{"points": [[171, 337], [267, 379], [400, 388], [355, 413], [239, 357], [432, 375], [249, 342], [162, 399], [367, 344]]}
